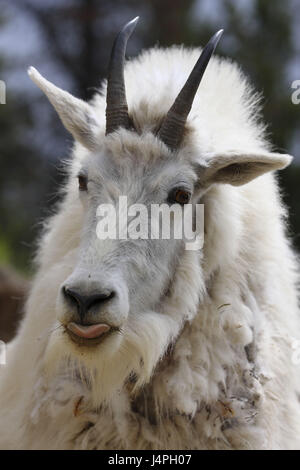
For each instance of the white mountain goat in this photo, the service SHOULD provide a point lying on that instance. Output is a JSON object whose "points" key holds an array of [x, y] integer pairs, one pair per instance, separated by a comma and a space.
{"points": [[142, 344]]}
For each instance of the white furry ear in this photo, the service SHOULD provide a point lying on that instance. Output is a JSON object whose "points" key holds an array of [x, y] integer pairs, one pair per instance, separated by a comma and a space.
{"points": [[76, 115], [239, 168]]}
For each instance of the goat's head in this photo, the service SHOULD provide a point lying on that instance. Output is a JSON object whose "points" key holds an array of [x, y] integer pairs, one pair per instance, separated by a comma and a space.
{"points": [[126, 300]]}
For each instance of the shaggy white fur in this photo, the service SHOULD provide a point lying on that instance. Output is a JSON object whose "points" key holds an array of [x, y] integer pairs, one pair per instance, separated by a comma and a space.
{"points": [[210, 366]]}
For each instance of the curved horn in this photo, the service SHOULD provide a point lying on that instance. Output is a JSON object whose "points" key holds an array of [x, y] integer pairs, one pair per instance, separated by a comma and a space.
{"points": [[172, 128], [116, 104]]}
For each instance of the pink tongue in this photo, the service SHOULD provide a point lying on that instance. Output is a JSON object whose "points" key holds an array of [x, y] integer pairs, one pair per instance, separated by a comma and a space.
{"points": [[88, 331]]}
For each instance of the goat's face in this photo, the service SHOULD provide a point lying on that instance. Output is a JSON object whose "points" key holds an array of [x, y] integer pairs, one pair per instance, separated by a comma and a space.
{"points": [[116, 276], [116, 279]]}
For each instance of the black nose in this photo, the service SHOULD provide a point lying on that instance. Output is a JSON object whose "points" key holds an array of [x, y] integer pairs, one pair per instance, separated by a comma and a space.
{"points": [[85, 302]]}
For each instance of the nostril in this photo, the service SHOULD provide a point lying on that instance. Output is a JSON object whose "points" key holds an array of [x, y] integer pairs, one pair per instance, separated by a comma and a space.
{"points": [[71, 295], [98, 299]]}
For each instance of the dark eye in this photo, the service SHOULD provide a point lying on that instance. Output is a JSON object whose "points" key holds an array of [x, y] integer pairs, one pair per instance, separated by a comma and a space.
{"points": [[82, 183], [181, 196]]}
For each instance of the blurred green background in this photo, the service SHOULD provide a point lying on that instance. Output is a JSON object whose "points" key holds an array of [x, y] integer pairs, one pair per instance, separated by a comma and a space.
{"points": [[69, 41]]}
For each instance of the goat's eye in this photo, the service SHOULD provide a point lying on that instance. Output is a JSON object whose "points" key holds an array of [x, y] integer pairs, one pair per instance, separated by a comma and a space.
{"points": [[82, 183], [181, 196]]}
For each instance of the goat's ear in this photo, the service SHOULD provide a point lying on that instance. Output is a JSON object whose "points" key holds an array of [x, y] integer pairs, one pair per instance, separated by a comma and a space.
{"points": [[76, 115], [238, 168]]}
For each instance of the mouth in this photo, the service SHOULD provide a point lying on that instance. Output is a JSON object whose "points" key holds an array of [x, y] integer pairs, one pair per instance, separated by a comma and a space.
{"points": [[88, 335]]}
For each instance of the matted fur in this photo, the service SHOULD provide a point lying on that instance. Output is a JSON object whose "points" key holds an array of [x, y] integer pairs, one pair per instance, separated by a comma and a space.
{"points": [[212, 367]]}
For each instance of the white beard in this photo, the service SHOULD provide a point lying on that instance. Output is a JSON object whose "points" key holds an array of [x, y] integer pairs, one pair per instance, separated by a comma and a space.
{"points": [[106, 368]]}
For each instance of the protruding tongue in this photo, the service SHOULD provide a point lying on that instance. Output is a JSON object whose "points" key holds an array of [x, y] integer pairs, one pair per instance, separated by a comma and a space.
{"points": [[88, 331]]}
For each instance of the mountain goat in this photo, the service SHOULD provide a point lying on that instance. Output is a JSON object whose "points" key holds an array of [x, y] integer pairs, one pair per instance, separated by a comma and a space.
{"points": [[141, 343]]}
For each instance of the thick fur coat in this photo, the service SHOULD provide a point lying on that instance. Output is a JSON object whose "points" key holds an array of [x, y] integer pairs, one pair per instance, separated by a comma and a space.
{"points": [[224, 377]]}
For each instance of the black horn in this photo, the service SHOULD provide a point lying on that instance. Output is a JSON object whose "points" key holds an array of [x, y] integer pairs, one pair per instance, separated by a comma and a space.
{"points": [[172, 128], [116, 104]]}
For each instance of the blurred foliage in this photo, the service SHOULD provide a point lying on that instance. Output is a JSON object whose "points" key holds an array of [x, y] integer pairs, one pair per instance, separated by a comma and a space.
{"points": [[78, 35], [18, 173]]}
